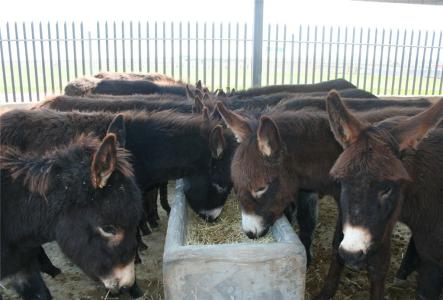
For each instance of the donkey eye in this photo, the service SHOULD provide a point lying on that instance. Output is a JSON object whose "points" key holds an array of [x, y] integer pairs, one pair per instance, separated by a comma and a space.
{"points": [[385, 192], [259, 192], [107, 230]]}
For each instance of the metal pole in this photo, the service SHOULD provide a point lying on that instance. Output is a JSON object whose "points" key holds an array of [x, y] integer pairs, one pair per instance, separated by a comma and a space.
{"points": [[258, 42]]}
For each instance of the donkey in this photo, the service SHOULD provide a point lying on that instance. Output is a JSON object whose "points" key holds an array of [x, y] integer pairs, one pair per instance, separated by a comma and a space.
{"points": [[84, 197], [387, 172], [339, 84], [129, 87], [281, 154]]}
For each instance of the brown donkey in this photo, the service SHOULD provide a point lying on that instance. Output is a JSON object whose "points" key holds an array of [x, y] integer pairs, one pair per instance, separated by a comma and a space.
{"points": [[388, 172]]}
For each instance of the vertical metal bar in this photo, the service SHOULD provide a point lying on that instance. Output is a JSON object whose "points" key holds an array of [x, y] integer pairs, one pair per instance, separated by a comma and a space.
{"points": [[164, 47], [283, 73], [131, 44], [148, 56], [423, 63], [19, 64], [388, 60], [90, 53], [5, 89], [416, 62], [401, 64], [409, 62], [82, 37], [373, 59], [66, 51], [221, 56], [28, 72], [430, 63], [395, 61], [292, 58], [204, 51], [99, 52], [351, 67], [139, 32], [180, 53], [315, 53], [436, 63], [172, 50], [331, 31], [124, 47], [188, 54], [34, 55], [268, 56], [11, 65], [338, 52], [196, 52], [257, 55], [115, 47], [299, 53], [51, 64], [106, 45], [229, 57], [45, 89], [212, 58], [345, 52], [381, 61], [307, 54], [359, 57], [236, 54], [366, 58], [276, 54], [322, 52], [59, 59], [245, 41], [74, 48]]}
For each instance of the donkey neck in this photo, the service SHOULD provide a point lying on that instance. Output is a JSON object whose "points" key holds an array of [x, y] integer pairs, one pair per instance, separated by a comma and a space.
{"points": [[167, 146], [311, 148]]}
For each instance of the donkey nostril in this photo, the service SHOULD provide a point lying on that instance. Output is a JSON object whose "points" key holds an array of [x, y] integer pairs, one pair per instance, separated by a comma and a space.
{"points": [[251, 235]]}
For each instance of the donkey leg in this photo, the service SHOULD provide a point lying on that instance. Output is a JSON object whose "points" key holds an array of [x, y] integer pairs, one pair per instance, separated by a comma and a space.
{"points": [[335, 268], [46, 265], [378, 265], [408, 264], [307, 219], [430, 280], [141, 246], [150, 197], [164, 197], [29, 285]]}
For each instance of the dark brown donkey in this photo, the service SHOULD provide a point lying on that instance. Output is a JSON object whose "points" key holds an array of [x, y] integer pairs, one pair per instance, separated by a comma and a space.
{"points": [[388, 171]]}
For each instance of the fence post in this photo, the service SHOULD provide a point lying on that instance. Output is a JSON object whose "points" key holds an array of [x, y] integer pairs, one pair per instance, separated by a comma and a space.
{"points": [[257, 43]]}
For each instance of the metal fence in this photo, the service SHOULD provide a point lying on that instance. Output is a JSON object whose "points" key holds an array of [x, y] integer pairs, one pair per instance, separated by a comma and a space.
{"points": [[40, 58]]}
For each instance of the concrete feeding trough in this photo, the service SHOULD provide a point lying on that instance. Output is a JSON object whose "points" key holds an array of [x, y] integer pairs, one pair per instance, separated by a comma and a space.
{"points": [[274, 270]]}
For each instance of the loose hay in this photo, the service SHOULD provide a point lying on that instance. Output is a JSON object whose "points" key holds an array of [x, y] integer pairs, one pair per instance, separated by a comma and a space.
{"points": [[226, 230]]}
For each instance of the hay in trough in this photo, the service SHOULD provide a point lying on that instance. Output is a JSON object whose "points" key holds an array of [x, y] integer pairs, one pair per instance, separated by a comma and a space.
{"points": [[226, 230]]}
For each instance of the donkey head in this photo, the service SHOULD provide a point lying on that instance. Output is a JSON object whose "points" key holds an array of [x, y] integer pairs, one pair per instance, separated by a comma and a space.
{"points": [[97, 230], [207, 192], [257, 171], [372, 174]]}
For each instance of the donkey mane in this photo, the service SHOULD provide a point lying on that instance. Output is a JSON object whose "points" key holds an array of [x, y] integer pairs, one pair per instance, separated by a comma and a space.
{"points": [[38, 171]]}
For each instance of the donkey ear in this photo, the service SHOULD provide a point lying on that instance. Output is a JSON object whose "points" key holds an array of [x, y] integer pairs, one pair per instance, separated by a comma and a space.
{"points": [[206, 116], [232, 92], [268, 137], [104, 161], [217, 142], [205, 90], [237, 123], [206, 97], [189, 94], [345, 126], [221, 93], [197, 108], [118, 127], [199, 85], [412, 131]]}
